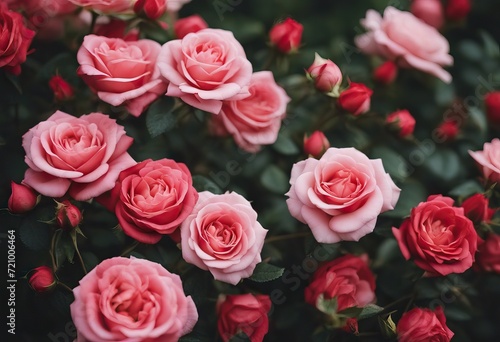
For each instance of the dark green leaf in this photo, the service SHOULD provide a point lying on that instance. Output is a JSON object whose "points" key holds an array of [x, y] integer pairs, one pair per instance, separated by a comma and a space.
{"points": [[393, 162], [275, 180], [240, 337], [285, 145], [265, 272], [160, 117], [34, 234], [64, 248], [466, 189], [412, 193], [369, 311], [202, 183], [490, 44]]}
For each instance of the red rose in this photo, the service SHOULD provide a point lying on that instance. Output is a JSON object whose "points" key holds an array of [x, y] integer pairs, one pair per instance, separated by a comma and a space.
{"points": [[488, 254], [15, 40], [423, 325], [193, 23], [42, 279], [245, 313], [448, 130], [22, 199], [476, 208], [68, 215], [356, 99], [287, 35], [386, 73], [62, 89], [403, 121], [439, 237], [316, 144], [348, 279], [153, 9], [492, 102], [457, 9]]}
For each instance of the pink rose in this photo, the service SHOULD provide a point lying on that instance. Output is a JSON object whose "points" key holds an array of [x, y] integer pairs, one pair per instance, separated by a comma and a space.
{"points": [[175, 5], [488, 160], [340, 195], [256, 119], [423, 325], [191, 24], [429, 11], [326, 75], [106, 6], [316, 144], [132, 299], [405, 39], [22, 198], [121, 72], [222, 235], [205, 68], [402, 121], [83, 155], [152, 199], [42, 279]]}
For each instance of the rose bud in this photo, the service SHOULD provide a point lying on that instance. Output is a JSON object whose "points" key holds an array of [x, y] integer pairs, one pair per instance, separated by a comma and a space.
{"points": [[447, 130], [287, 35], [316, 144], [351, 326], [153, 9], [386, 73], [492, 102], [476, 208], [423, 325], [116, 28], [62, 89], [356, 98], [429, 11], [68, 215], [326, 75], [42, 279], [191, 24], [457, 9], [402, 121], [488, 254], [22, 199]]}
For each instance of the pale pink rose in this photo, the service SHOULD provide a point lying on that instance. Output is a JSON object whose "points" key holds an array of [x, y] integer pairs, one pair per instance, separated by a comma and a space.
{"points": [[107, 6], [84, 155], [340, 195], [121, 72], [489, 160], [222, 235], [405, 39], [127, 300], [256, 119], [206, 68], [175, 5]]}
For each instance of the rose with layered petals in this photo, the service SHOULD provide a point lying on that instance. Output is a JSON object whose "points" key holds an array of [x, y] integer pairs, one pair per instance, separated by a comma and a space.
{"points": [[245, 313], [152, 198], [121, 72], [438, 236], [488, 160], [348, 279], [488, 254], [106, 6], [256, 119], [340, 195], [132, 299], [423, 325], [205, 68], [222, 235], [84, 155], [405, 39]]}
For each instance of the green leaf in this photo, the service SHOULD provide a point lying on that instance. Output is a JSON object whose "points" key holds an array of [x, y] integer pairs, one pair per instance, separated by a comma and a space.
{"points": [[471, 50], [285, 145], [275, 180], [240, 337], [328, 306], [160, 117], [443, 166], [265, 272], [351, 312], [34, 234], [412, 193], [201, 183], [490, 44], [466, 189], [394, 163], [387, 326], [369, 311], [64, 248]]}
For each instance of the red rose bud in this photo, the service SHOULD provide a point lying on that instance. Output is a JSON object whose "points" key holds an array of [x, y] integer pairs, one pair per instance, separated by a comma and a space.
{"points": [[351, 326], [477, 209], [402, 121], [68, 215], [191, 24], [326, 75], [422, 325], [447, 130], [316, 144], [356, 98], [287, 35], [153, 9], [457, 9], [429, 11], [492, 102], [488, 254], [117, 28], [62, 89], [22, 199], [42, 279], [386, 73]]}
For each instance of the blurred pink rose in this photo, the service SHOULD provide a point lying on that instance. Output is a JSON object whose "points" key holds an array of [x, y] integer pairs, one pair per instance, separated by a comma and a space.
{"points": [[83, 155], [256, 119], [429, 11], [121, 72], [340, 195], [191, 24], [405, 39], [124, 299], [222, 235], [205, 68], [175, 5], [488, 160], [107, 6]]}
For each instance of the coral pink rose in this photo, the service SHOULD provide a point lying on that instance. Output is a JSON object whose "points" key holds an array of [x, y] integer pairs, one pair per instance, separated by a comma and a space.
{"points": [[22, 198], [175, 5], [348, 279], [286, 35], [405, 39], [152, 199], [222, 235], [124, 299], [326, 75], [256, 119], [423, 325], [439, 237], [356, 99], [340, 195], [106, 6], [316, 144], [121, 72], [488, 160], [191, 24], [488, 254], [84, 155], [429, 11], [205, 68]]}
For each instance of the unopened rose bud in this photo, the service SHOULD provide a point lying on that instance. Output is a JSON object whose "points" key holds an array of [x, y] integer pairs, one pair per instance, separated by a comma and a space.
{"points": [[153, 9], [492, 102], [386, 73], [316, 144], [287, 35], [356, 99], [62, 89], [326, 75], [447, 130], [457, 9], [68, 216], [351, 326], [402, 121], [22, 199], [429, 11], [477, 209], [191, 24], [42, 279]]}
